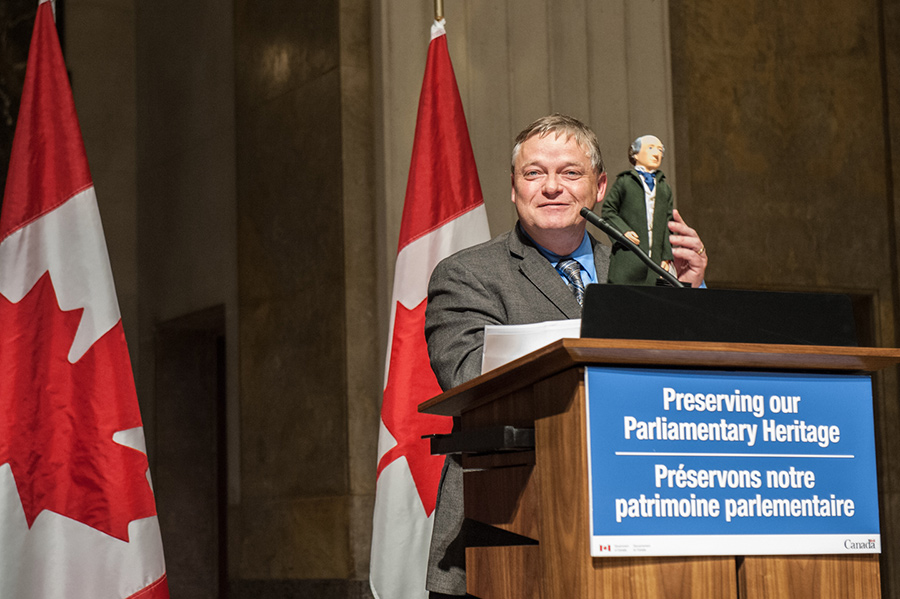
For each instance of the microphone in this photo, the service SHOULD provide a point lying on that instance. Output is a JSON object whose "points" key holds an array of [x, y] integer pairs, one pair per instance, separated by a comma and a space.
{"points": [[617, 236]]}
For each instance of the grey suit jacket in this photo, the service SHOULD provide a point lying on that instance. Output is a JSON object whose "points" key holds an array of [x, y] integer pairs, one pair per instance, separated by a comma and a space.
{"points": [[503, 281]]}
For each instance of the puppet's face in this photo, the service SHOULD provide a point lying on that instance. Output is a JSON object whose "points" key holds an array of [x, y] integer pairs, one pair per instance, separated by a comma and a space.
{"points": [[651, 153]]}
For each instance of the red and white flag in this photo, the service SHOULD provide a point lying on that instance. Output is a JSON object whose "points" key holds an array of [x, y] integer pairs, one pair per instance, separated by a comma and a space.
{"points": [[443, 212], [77, 513]]}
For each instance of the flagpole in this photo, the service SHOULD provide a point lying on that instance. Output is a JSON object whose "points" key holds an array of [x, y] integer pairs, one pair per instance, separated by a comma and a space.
{"points": [[438, 10]]}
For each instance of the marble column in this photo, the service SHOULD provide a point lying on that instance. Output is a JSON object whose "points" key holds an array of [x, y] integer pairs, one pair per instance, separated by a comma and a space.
{"points": [[309, 385]]}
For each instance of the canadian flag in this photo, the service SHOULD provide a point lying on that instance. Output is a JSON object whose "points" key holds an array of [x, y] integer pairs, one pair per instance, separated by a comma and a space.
{"points": [[77, 512], [443, 212]]}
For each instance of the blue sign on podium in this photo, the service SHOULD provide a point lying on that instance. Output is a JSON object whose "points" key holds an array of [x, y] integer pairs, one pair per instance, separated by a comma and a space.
{"points": [[693, 462]]}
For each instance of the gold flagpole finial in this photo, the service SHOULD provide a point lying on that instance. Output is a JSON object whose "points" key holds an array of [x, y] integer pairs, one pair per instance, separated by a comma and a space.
{"points": [[438, 10]]}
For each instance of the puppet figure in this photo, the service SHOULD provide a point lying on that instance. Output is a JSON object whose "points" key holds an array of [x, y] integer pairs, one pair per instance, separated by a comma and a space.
{"points": [[640, 206]]}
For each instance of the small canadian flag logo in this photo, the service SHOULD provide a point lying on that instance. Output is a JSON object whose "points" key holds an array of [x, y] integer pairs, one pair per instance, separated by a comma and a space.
{"points": [[605, 547]]}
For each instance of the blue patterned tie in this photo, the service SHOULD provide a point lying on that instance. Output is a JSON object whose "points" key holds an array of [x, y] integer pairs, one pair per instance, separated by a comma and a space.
{"points": [[572, 270]]}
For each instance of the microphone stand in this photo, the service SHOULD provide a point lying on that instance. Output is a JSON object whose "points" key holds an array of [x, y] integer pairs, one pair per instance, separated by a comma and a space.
{"points": [[617, 236]]}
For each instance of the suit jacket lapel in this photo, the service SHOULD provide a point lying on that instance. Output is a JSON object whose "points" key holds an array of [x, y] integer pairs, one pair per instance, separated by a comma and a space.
{"points": [[538, 271], [601, 261]]}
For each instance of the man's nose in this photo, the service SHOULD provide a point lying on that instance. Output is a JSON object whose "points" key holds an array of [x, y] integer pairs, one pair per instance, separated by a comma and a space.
{"points": [[551, 185]]}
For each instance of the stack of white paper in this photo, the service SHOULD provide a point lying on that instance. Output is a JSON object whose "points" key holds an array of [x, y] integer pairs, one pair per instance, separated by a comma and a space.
{"points": [[505, 343]]}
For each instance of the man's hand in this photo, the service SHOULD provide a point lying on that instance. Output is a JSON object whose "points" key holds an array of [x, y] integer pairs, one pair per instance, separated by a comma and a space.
{"points": [[633, 237], [689, 251]]}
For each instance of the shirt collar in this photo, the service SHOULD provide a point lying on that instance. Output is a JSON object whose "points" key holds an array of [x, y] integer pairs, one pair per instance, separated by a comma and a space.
{"points": [[584, 255]]}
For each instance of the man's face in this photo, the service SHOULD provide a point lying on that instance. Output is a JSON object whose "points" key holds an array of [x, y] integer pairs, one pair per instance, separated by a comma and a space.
{"points": [[651, 154], [553, 180]]}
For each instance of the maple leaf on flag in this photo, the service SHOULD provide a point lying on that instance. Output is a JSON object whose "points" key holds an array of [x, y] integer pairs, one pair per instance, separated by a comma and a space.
{"points": [[412, 381], [57, 419]]}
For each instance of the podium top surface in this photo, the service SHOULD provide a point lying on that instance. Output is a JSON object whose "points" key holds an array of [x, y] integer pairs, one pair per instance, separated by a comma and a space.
{"points": [[567, 353]]}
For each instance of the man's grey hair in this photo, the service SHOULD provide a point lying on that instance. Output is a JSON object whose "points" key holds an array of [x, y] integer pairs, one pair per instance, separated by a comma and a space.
{"points": [[560, 124]]}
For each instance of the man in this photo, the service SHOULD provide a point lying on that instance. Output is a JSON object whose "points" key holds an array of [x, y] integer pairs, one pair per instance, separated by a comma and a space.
{"points": [[639, 204], [522, 276]]}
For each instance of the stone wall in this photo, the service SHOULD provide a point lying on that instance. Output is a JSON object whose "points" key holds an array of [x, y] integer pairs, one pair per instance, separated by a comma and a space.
{"points": [[786, 117]]}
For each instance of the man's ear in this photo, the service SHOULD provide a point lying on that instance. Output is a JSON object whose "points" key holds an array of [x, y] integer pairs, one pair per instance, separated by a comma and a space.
{"points": [[601, 187], [512, 181]]}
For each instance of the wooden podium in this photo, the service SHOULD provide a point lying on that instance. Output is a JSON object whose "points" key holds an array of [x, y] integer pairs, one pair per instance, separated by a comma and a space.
{"points": [[541, 495]]}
